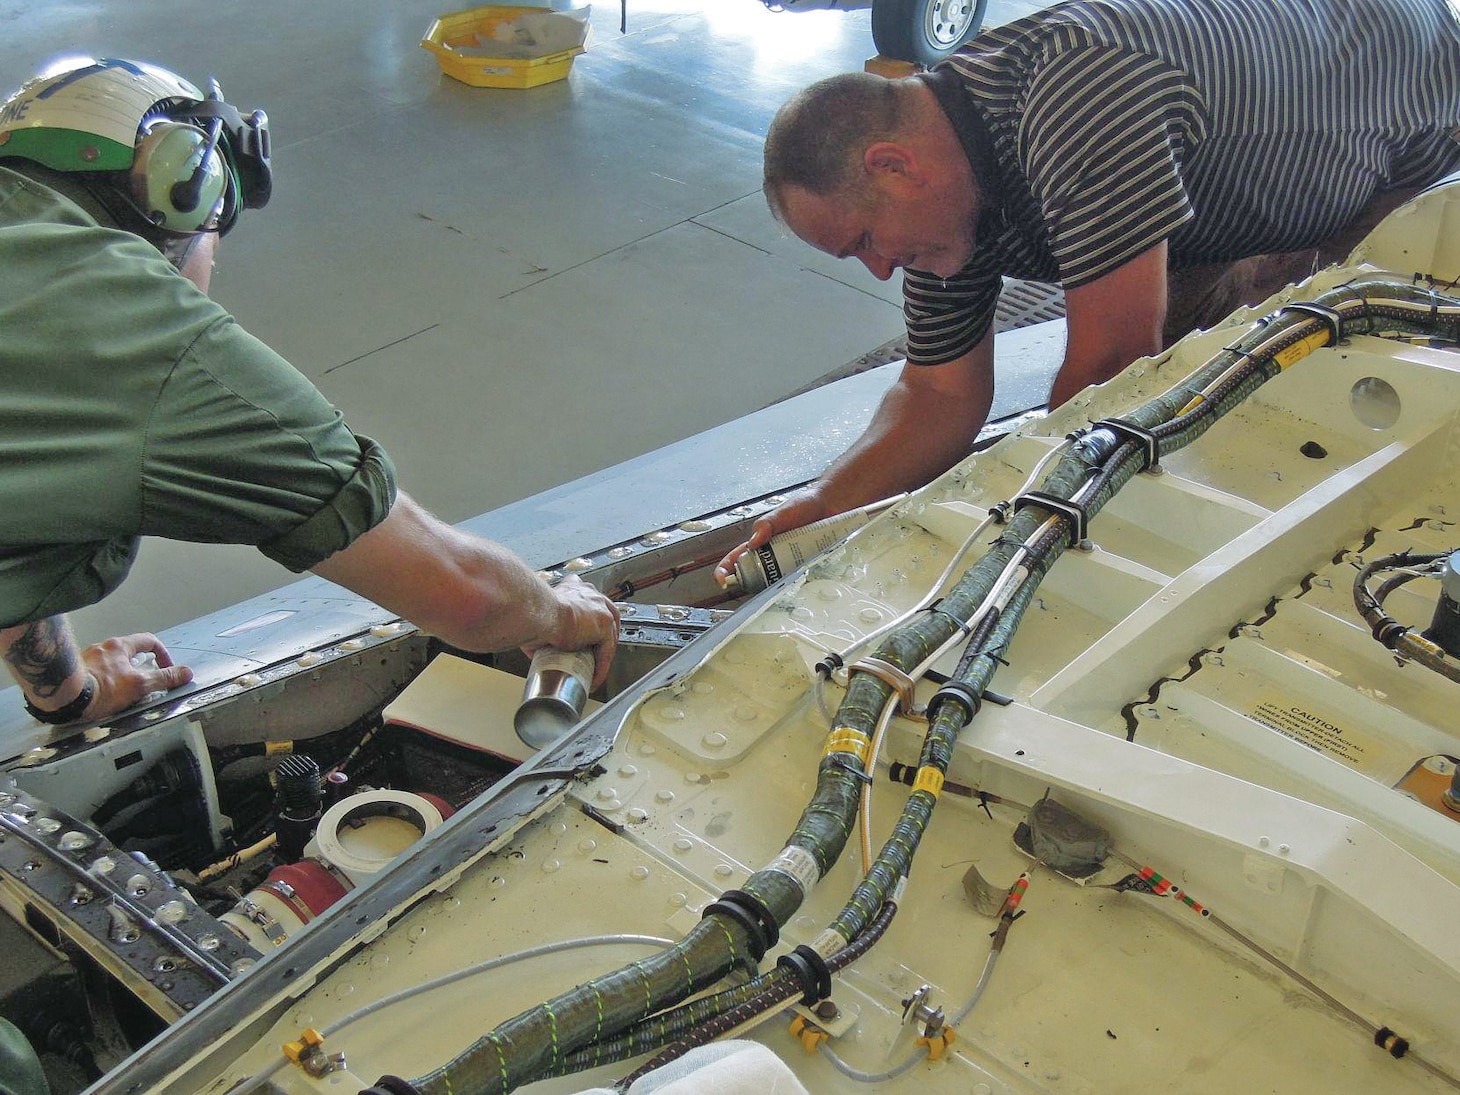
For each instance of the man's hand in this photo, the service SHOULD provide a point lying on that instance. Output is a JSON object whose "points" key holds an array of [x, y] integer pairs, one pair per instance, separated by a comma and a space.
{"points": [[587, 620], [127, 669], [926, 422], [804, 507], [43, 659], [472, 592]]}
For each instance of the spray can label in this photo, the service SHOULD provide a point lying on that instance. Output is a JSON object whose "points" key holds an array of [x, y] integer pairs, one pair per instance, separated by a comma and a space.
{"points": [[782, 554]]}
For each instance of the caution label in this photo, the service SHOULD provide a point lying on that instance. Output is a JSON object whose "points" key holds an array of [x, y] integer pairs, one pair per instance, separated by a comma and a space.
{"points": [[1322, 731]]}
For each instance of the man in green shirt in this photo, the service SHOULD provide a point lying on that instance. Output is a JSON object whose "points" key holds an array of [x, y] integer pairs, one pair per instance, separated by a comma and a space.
{"points": [[135, 405]]}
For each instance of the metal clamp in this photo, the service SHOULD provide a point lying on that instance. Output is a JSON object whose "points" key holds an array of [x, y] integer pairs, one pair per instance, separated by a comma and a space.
{"points": [[260, 916], [1061, 507], [891, 676], [1148, 441]]}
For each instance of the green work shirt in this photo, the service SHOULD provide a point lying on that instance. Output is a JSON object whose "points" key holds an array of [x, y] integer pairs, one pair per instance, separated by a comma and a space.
{"points": [[133, 405]]}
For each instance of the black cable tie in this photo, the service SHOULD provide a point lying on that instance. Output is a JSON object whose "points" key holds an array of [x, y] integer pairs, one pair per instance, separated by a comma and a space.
{"points": [[1238, 351], [961, 625], [842, 760], [998, 698], [1329, 316], [750, 913], [1368, 320], [1062, 507], [999, 511], [1390, 1042], [1139, 434], [811, 970], [965, 695], [899, 772]]}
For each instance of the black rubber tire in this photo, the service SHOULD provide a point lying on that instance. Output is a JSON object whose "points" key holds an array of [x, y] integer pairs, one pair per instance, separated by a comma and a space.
{"points": [[924, 31]]}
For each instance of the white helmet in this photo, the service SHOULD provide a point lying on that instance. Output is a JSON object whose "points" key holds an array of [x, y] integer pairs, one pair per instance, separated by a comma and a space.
{"points": [[188, 157]]}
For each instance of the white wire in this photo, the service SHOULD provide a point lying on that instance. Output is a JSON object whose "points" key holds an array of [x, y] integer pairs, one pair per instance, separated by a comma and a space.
{"points": [[818, 684], [908, 1062], [864, 803], [953, 564], [868, 1077], [262, 1077]]}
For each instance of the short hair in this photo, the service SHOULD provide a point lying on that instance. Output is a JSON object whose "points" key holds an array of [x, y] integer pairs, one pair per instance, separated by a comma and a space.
{"points": [[816, 140]]}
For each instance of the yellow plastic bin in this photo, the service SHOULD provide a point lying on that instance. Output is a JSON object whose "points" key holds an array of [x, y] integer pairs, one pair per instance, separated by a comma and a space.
{"points": [[448, 35]]}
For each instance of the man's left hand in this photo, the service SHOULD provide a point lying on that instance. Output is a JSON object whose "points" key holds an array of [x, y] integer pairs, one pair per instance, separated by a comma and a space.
{"points": [[125, 673]]}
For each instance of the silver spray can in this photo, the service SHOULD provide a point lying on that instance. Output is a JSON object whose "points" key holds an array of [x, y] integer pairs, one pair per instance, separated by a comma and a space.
{"points": [[777, 557], [557, 690]]}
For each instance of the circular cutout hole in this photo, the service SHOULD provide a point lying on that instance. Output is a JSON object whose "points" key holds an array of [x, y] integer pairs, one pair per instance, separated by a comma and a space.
{"points": [[1374, 402]]}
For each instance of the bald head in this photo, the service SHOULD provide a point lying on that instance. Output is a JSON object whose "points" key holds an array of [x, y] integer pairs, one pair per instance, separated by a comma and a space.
{"points": [[817, 140], [860, 166]]}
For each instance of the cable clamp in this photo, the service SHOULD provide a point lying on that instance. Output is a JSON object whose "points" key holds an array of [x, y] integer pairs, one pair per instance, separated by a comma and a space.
{"points": [[392, 1085], [1061, 507], [747, 910], [1139, 434], [811, 970], [892, 676], [965, 695], [307, 1051], [829, 665], [937, 1044], [807, 1033], [1329, 316], [1389, 632]]}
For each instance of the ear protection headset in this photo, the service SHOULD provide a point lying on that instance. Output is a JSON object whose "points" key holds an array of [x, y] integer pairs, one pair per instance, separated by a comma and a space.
{"points": [[198, 164], [191, 163], [179, 180]]}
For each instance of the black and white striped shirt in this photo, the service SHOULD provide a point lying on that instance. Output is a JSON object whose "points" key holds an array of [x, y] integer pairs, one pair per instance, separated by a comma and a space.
{"points": [[1097, 128]]}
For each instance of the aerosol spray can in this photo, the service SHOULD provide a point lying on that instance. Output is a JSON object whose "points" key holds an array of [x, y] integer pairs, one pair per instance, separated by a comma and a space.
{"points": [[769, 563], [557, 689]]}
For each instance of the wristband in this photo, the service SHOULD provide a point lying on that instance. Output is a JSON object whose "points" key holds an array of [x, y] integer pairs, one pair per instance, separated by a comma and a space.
{"points": [[70, 712]]}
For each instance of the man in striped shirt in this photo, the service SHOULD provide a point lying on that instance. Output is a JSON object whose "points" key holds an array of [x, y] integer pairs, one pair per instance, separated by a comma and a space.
{"points": [[1163, 160]]}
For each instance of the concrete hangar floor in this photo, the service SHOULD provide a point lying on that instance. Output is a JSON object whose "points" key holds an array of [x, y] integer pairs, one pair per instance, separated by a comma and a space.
{"points": [[510, 289]]}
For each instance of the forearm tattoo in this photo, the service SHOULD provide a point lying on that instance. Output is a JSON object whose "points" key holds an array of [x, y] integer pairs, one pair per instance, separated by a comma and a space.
{"points": [[44, 656]]}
